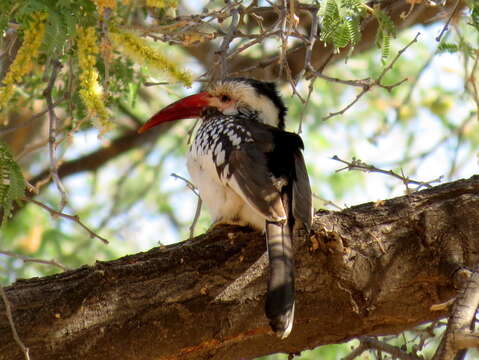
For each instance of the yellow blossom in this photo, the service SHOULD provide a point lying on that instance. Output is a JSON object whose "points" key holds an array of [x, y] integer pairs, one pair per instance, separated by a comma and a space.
{"points": [[101, 5], [139, 50], [91, 91], [162, 3], [23, 63]]}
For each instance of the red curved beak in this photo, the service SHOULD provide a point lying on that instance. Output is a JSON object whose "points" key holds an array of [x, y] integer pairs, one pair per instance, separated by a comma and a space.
{"points": [[188, 107]]}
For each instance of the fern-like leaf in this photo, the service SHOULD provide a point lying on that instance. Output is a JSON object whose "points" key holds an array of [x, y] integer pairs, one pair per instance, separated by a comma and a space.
{"points": [[354, 30], [341, 22], [12, 183], [475, 15], [386, 30], [354, 6], [447, 47]]}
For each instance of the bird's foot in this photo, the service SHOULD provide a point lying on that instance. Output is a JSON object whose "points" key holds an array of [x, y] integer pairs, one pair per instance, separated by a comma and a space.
{"points": [[222, 222]]}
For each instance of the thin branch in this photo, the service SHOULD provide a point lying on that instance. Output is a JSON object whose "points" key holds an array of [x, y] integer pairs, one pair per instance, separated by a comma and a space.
{"points": [[396, 58], [223, 50], [199, 203], [74, 218], [28, 259], [327, 202], [307, 64], [390, 349], [8, 310], [357, 164], [343, 110], [446, 25], [368, 84], [52, 131], [31, 120], [356, 352], [311, 41], [189, 184]]}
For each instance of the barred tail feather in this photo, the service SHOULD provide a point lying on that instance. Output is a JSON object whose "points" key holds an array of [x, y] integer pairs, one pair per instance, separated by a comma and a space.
{"points": [[280, 299]]}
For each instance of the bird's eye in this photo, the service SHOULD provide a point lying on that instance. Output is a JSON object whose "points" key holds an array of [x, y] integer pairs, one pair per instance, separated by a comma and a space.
{"points": [[225, 98]]}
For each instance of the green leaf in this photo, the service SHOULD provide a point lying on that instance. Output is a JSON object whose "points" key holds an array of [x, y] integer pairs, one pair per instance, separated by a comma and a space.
{"points": [[386, 30], [475, 15], [447, 47], [12, 183]]}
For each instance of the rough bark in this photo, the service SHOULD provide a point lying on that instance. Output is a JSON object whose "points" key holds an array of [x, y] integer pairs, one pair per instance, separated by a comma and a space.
{"points": [[375, 268]]}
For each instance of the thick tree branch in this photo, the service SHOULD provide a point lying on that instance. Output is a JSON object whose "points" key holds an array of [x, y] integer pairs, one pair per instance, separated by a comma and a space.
{"points": [[371, 269]]}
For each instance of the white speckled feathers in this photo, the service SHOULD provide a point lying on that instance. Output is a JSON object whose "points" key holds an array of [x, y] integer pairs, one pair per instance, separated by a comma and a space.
{"points": [[229, 166]]}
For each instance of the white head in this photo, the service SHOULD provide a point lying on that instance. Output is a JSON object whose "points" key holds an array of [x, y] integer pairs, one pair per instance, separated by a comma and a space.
{"points": [[228, 97], [261, 97]]}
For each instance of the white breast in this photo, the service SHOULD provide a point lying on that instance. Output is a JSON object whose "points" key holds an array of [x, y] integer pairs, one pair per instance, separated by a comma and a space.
{"points": [[224, 205]]}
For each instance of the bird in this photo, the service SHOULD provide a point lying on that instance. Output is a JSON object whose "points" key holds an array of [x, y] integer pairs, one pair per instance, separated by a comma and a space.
{"points": [[249, 171]]}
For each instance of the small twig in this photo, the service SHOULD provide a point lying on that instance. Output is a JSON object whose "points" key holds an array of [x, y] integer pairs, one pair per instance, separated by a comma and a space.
{"points": [[283, 34], [357, 164], [343, 110], [359, 83], [396, 352], [199, 203], [8, 310], [311, 41], [52, 131], [398, 55], [368, 84], [256, 40], [446, 25], [27, 259], [31, 148], [74, 218], [193, 188], [307, 64], [223, 50], [327, 202], [189, 184], [356, 352], [304, 109], [147, 83], [30, 121]]}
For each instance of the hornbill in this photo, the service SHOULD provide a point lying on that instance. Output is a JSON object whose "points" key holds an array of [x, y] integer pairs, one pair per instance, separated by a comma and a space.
{"points": [[249, 171]]}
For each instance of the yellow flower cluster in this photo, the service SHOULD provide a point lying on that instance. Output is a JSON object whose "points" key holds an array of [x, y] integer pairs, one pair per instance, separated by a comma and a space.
{"points": [[90, 90], [139, 50], [101, 5], [23, 63], [162, 3]]}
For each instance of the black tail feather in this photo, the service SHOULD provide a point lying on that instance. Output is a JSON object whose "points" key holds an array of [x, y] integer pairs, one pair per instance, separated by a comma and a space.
{"points": [[280, 299]]}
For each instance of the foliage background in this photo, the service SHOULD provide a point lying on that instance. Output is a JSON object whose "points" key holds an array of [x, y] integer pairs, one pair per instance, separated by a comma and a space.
{"points": [[140, 56]]}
